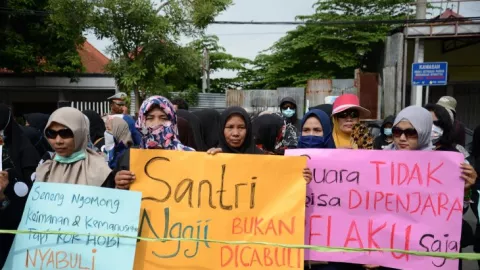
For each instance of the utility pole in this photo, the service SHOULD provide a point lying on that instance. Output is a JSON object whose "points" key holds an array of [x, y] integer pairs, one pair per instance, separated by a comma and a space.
{"points": [[206, 71], [417, 91]]}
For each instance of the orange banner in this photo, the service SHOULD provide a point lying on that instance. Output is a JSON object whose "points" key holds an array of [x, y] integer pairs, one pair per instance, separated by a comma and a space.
{"points": [[223, 197]]}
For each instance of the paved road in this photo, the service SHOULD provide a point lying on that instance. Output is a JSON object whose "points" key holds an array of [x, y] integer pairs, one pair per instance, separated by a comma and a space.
{"points": [[470, 265]]}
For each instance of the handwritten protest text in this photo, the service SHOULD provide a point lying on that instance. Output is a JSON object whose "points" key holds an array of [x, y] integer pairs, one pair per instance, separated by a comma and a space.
{"points": [[186, 187]]}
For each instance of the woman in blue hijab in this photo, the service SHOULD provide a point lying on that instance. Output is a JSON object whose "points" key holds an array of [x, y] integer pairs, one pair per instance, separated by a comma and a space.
{"points": [[316, 131]]}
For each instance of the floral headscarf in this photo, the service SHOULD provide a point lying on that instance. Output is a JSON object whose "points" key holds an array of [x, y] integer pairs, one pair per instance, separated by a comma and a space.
{"points": [[163, 136]]}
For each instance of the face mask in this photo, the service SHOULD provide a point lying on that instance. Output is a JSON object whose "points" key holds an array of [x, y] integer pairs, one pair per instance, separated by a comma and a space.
{"points": [[109, 141], [311, 142], [71, 159], [387, 132], [437, 133], [159, 137], [288, 113]]}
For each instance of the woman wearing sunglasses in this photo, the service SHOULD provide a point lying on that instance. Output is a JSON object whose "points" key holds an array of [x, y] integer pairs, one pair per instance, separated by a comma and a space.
{"points": [[346, 115], [412, 130], [67, 132]]}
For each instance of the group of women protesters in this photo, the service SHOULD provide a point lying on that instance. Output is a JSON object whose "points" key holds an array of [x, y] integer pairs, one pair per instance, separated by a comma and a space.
{"points": [[70, 146]]}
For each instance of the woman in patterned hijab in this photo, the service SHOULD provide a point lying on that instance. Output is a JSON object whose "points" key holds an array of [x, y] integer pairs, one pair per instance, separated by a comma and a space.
{"points": [[157, 123]]}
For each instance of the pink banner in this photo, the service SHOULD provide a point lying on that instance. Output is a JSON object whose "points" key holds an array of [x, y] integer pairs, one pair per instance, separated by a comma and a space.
{"points": [[407, 200]]}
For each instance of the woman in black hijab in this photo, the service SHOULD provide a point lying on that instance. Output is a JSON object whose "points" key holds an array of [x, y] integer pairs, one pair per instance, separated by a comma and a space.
{"points": [[37, 140], [97, 128], [268, 133], [37, 120], [210, 122], [236, 136], [196, 129], [185, 133], [236, 133], [19, 161], [34, 126]]}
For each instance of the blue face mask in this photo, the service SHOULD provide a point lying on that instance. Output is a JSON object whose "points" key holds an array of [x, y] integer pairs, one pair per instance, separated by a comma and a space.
{"points": [[288, 112], [311, 142], [387, 132], [80, 155]]}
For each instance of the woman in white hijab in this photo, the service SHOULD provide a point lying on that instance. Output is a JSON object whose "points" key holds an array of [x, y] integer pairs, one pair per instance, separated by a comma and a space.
{"points": [[412, 130], [73, 162]]}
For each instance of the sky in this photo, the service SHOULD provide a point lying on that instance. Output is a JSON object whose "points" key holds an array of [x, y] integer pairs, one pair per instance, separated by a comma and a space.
{"points": [[248, 40]]}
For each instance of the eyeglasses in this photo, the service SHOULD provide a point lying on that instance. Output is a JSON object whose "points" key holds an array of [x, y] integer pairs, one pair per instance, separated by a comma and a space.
{"points": [[349, 113], [410, 133], [63, 133]]}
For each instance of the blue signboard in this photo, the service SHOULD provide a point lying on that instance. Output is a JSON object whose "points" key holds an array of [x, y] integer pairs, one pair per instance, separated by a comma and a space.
{"points": [[429, 74]]}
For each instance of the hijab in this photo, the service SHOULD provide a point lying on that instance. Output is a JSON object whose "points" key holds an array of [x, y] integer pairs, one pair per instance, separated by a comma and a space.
{"points": [[89, 169], [97, 125], [268, 132], [20, 152], [422, 121], [121, 131], [185, 133], [325, 141], [248, 146], [195, 130], [37, 120], [36, 139], [342, 139], [89, 141], [163, 136], [136, 136], [210, 123]]}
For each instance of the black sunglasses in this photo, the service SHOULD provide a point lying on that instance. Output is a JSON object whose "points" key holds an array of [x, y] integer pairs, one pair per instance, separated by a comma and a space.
{"points": [[63, 133], [351, 113], [409, 132], [292, 107]]}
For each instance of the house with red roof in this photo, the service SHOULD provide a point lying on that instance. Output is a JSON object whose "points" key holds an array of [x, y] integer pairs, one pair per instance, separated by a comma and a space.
{"points": [[28, 92]]}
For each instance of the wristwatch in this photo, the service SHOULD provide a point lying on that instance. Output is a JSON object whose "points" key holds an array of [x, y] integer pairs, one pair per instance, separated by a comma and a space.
{"points": [[4, 203]]}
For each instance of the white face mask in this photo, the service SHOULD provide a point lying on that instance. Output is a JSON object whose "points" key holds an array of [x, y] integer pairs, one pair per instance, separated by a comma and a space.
{"points": [[109, 141], [437, 133]]}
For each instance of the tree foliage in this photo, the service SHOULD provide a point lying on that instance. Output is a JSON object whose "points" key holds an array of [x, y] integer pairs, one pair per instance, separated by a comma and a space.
{"points": [[319, 51], [45, 41], [147, 58]]}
